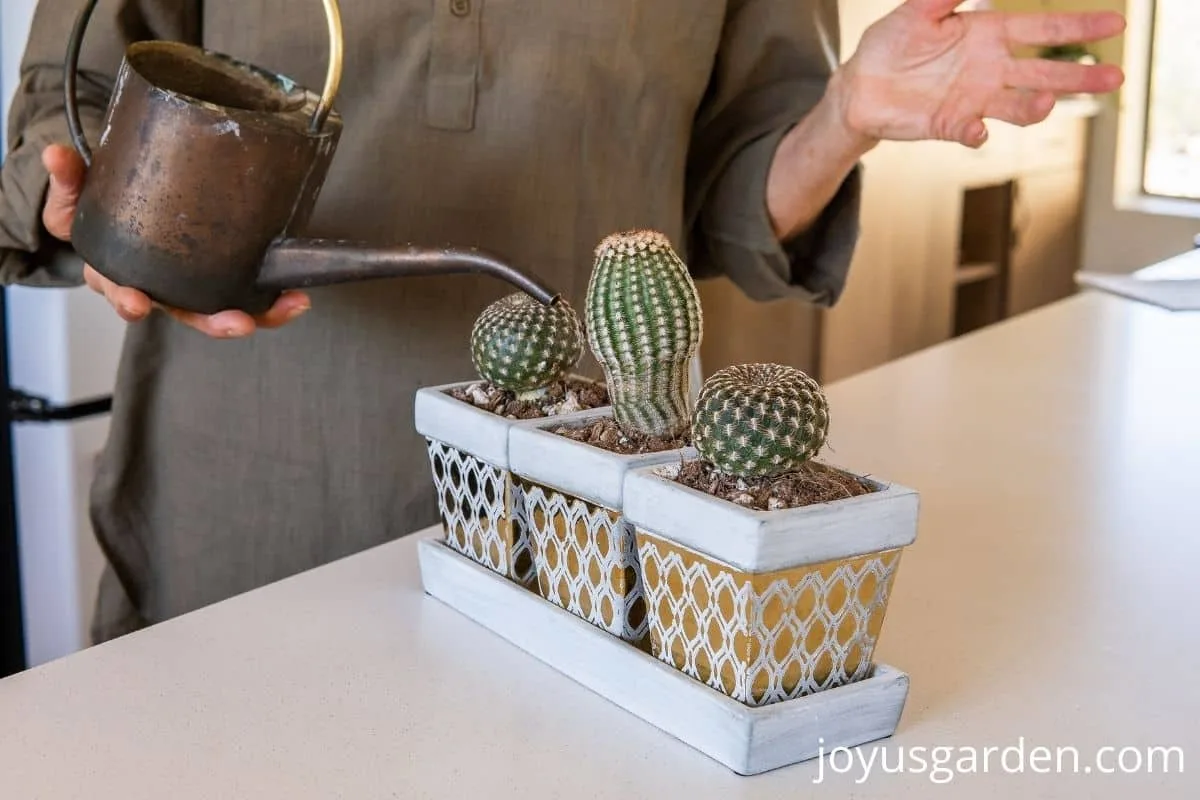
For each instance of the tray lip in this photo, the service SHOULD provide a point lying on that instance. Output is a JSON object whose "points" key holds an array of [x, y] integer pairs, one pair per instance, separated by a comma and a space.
{"points": [[736, 727], [762, 541], [439, 417], [577, 468]]}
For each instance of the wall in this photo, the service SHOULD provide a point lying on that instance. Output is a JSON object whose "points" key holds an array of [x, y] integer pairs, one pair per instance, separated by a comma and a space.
{"points": [[1117, 239], [63, 345]]}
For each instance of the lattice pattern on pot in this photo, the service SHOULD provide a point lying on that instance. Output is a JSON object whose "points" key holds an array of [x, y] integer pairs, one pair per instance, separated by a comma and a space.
{"points": [[763, 638], [476, 501], [585, 557]]}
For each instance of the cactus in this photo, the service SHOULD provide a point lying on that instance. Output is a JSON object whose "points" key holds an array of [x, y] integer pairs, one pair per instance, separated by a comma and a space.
{"points": [[759, 420], [522, 345], [644, 325]]}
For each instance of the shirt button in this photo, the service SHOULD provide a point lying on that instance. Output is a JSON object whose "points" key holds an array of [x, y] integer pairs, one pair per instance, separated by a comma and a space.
{"points": [[460, 8]]}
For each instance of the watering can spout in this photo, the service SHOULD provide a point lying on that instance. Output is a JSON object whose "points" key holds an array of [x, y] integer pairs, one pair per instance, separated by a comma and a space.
{"points": [[302, 263]]}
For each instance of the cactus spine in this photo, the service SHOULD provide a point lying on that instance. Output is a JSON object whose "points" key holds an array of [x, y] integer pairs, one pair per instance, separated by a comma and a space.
{"points": [[759, 420], [644, 325], [520, 344]]}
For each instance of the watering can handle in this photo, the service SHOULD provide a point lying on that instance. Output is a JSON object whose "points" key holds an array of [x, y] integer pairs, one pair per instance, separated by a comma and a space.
{"points": [[333, 75]]}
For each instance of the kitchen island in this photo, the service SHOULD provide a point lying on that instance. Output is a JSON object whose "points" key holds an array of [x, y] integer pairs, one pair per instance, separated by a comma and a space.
{"points": [[1045, 617]]}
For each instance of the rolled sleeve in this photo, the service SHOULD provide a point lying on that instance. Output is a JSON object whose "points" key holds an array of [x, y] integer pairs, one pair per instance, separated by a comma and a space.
{"points": [[773, 69], [736, 232], [29, 254]]}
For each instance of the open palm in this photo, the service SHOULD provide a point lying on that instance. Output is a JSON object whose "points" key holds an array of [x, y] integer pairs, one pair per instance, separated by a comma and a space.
{"points": [[928, 72]]}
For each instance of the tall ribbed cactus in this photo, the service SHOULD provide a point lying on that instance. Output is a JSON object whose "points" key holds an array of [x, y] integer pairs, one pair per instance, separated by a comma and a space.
{"points": [[644, 325], [522, 345], [759, 420]]}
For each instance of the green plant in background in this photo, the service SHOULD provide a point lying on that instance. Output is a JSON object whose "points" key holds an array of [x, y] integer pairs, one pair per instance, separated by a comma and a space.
{"points": [[520, 344], [759, 420], [1067, 52], [644, 326]]}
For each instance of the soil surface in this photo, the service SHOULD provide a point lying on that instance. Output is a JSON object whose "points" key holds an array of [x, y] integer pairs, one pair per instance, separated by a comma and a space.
{"points": [[812, 483], [607, 435], [560, 397]]}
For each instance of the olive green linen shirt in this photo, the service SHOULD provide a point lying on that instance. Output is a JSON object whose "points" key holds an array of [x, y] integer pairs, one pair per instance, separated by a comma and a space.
{"points": [[530, 128]]}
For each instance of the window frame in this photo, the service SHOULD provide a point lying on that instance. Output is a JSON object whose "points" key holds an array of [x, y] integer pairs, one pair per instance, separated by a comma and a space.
{"points": [[1129, 193]]}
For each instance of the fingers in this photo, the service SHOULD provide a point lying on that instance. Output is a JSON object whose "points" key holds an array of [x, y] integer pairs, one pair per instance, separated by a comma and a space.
{"points": [[133, 306], [222, 325], [973, 133], [289, 306], [130, 304], [1064, 77], [235, 324], [67, 172], [962, 123], [1020, 107], [1062, 27]]}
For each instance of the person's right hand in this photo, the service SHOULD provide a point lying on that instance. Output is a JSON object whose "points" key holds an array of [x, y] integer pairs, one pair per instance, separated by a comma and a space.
{"points": [[67, 173]]}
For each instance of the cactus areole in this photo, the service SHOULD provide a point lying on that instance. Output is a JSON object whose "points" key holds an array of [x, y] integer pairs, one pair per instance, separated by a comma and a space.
{"points": [[522, 345], [644, 326], [759, 420]]}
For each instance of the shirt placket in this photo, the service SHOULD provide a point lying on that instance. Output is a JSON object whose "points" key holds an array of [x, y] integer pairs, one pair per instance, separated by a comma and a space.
{"points": [[453, 64]]}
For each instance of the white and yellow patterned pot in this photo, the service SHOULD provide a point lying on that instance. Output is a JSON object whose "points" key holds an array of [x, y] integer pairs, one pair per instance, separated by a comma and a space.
{"points": [[766, 606], [477, 496], [584, 550]]}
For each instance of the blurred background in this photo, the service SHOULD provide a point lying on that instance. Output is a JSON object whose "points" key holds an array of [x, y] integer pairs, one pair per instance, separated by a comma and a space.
{"points": [[953, 241]]}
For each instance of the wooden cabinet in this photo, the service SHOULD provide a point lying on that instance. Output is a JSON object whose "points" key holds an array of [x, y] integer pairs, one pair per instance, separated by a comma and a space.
{"points": [[1021, 231], [1047, 232], [985, 236], [895, 300]]}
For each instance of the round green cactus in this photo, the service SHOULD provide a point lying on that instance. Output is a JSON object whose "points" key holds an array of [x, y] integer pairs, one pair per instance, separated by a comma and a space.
{"points": [[759, 420], [644, 326], [522, 345]]}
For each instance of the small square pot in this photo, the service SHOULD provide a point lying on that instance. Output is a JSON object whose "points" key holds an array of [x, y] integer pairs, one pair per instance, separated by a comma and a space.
{"points": [[766, 606], [584, 550], [478, 499]]}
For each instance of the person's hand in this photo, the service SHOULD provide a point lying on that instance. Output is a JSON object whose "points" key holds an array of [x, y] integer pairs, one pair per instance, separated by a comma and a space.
{"points": [[67, 173], [926, 71]]}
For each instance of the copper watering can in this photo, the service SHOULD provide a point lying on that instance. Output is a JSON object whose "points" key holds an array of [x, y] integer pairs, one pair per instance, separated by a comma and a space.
{"points": [[206, 172]]}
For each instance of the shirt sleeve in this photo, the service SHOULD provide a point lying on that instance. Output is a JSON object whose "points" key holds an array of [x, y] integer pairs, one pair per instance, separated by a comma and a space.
{"points": [[773, 66], [29, 255]]}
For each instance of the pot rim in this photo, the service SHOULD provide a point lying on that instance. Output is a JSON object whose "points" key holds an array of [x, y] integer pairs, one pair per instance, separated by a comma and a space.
{"points": [[576, 468], [761, 541], [484, 435]]}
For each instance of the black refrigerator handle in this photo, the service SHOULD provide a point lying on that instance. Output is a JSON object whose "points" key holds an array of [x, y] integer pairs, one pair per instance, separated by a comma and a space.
{"points": [[25, 407]]}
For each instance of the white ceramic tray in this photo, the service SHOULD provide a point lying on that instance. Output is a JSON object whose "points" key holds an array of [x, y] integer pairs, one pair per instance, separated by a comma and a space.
{"points": [[747, 740]]}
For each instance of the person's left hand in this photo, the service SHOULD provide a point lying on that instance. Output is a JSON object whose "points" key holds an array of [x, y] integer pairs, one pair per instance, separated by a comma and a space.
{"points": [[926, 71]]}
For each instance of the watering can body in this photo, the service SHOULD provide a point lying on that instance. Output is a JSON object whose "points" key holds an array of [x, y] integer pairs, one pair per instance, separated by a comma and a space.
{"points": [[202, 165], [204, 177]]}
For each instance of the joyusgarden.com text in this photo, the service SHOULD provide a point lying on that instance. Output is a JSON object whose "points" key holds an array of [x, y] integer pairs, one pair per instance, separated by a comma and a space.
{"points": [[943, 764]]}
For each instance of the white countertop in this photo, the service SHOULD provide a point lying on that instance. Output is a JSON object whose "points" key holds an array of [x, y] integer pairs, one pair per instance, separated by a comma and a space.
{"points": [[1050, 598]]}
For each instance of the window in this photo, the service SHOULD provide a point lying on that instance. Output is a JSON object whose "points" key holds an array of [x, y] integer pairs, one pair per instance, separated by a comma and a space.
{"points": [[1171, 150]]}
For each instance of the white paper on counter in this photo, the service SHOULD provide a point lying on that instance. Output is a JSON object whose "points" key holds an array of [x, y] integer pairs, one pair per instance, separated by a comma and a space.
{"points": [[1174, 293]]}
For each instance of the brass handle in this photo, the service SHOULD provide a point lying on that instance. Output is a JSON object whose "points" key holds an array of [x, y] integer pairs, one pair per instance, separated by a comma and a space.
{"points": [[333, 74]]}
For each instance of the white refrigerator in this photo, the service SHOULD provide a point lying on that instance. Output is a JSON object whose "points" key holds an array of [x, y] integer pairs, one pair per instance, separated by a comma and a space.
{"points": [[62, 345]]}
